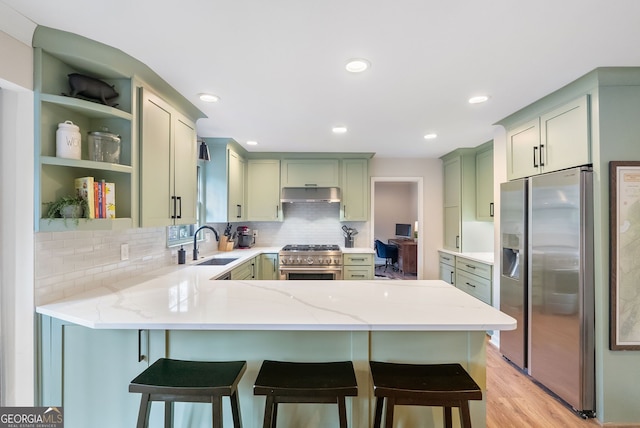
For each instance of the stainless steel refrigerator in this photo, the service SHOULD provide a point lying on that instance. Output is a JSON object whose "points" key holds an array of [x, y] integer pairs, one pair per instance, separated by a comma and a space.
{"points": [[547, 282]]}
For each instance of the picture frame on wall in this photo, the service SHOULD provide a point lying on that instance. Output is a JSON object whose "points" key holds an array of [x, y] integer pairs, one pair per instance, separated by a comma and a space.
{"points": [[624, 194]]}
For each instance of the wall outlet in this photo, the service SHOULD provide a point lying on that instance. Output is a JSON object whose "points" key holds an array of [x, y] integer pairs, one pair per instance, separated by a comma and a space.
{"points": [[124, 251], [207, 236]]}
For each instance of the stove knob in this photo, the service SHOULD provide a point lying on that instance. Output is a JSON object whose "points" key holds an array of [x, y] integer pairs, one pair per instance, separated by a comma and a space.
{"points": [[320, 260], [298, 261], [309, 260]]}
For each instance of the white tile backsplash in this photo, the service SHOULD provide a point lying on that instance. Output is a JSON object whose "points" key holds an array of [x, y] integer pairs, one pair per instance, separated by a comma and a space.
{"points": [[68, 263]]}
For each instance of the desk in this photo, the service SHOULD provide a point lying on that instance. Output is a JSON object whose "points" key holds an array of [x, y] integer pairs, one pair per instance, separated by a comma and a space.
{"points": [[407, 255]]}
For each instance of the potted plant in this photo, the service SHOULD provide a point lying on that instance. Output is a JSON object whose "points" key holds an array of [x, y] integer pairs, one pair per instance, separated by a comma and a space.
{"points": [[74, 207]]}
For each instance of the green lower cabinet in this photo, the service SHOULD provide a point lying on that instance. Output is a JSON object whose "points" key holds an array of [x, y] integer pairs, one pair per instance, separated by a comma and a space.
{"points": [[88, 371], [268, 267], [357, 266], [474, 278], [245, 271]]}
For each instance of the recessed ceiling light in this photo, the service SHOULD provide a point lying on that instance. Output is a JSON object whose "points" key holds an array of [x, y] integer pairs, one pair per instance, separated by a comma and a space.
{"points": [[252, 143], [430, 136], [339, 129], [479, 99], [357, 65], [209, 98]]}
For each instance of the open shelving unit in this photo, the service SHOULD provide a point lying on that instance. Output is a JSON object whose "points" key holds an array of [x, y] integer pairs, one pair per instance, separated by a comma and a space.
{"points": [[55, 176]]}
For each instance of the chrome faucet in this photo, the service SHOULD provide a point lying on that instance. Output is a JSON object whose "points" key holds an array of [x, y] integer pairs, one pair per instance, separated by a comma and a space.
{"points": [[195, 239]]}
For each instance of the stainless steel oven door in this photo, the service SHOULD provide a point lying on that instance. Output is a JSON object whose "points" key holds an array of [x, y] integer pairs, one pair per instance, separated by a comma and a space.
{"points": [[310, 274]]}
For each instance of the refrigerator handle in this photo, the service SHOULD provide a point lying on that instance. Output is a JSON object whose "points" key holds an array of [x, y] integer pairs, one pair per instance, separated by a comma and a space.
{"points": [[491, 209], [535, 152]]}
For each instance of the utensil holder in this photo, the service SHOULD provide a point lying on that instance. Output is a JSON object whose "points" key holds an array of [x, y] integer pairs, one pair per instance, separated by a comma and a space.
{"points": [[225, 244]]}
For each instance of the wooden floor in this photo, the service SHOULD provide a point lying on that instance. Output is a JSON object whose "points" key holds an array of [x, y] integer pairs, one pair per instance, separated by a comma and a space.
{"points": [[513, 400], [390, 273]]}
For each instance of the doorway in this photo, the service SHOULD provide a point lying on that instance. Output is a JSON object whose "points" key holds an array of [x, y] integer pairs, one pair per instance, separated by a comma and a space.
{"points": [[398, 200]]}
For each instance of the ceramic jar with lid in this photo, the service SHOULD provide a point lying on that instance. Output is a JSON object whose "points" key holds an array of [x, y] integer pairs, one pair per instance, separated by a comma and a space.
{"points": [[68, 140]]}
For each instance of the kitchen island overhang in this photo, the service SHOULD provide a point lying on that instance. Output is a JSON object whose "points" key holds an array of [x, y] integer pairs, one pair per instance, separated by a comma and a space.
{"points": [[185, 315]]}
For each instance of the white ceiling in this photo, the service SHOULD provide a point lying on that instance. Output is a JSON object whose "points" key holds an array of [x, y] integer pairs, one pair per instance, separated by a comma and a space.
{"points": [[278, 66]]}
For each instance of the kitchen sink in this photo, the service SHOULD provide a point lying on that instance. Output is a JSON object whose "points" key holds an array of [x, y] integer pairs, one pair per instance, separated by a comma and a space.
{"points": [[216, 262]]}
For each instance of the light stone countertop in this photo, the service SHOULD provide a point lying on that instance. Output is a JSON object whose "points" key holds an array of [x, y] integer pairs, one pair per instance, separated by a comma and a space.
{"points": [[185, 298], [357, 250], [479, 257]]}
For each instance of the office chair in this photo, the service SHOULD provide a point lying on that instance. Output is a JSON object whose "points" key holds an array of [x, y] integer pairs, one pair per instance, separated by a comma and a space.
{"points": [[387, 252]]}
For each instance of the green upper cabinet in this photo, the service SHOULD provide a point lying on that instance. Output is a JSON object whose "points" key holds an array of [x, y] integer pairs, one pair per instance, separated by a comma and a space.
{"points": [[355, 190], [185, 179], [58, 54], [237, 170], [452, 174], [225, 182], [555, 140], [459, 175], [484, 182], [523, 146], [263, 190], [169, 164], [310, 173]]}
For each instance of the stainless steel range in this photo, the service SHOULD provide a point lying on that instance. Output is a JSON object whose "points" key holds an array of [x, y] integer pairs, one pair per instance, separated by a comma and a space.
{"points": [[310, 262]]}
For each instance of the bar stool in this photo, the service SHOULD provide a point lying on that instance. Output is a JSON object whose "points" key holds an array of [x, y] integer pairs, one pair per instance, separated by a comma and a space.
{"points": [[295, 382], [442, 385], [192, 382]]}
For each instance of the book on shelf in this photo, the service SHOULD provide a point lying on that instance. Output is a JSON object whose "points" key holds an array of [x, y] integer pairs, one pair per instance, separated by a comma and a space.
{"points": [[85, 189], [110, 200], [97, 189], [100, 196]]}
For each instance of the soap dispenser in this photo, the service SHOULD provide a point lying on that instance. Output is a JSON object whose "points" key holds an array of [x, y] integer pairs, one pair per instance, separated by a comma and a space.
{"points": [[182, 256]]}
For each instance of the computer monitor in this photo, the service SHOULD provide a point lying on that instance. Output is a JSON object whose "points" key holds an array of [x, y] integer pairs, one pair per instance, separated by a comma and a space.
{"points": [[403, 230]]}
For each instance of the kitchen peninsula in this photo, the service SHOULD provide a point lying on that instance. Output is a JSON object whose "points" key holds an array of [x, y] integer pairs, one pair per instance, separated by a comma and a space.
{"points": [[93, 344]]}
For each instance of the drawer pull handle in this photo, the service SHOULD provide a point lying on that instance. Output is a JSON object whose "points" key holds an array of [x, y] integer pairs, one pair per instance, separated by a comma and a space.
{"points": [[471, 267], [471, 285]]}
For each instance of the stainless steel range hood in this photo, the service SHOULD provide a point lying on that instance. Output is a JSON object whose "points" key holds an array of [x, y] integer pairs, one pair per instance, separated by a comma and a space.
{"points": [[310, 194]]}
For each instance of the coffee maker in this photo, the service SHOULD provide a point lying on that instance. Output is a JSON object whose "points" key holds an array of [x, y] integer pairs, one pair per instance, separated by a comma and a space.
{"points": [[245, 237]]}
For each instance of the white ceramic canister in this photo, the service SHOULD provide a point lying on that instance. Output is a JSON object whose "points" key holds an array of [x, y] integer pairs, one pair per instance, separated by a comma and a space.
{"points": [[68, 140]]}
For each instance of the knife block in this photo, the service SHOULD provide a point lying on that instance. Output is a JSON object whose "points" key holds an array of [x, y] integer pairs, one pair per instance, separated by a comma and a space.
{"points": [[225, 244]]}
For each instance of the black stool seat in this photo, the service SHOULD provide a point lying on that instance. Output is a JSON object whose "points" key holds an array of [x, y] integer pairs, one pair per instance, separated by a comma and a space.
{"points": [[442, 385], [189, 381], [295, 382]]}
